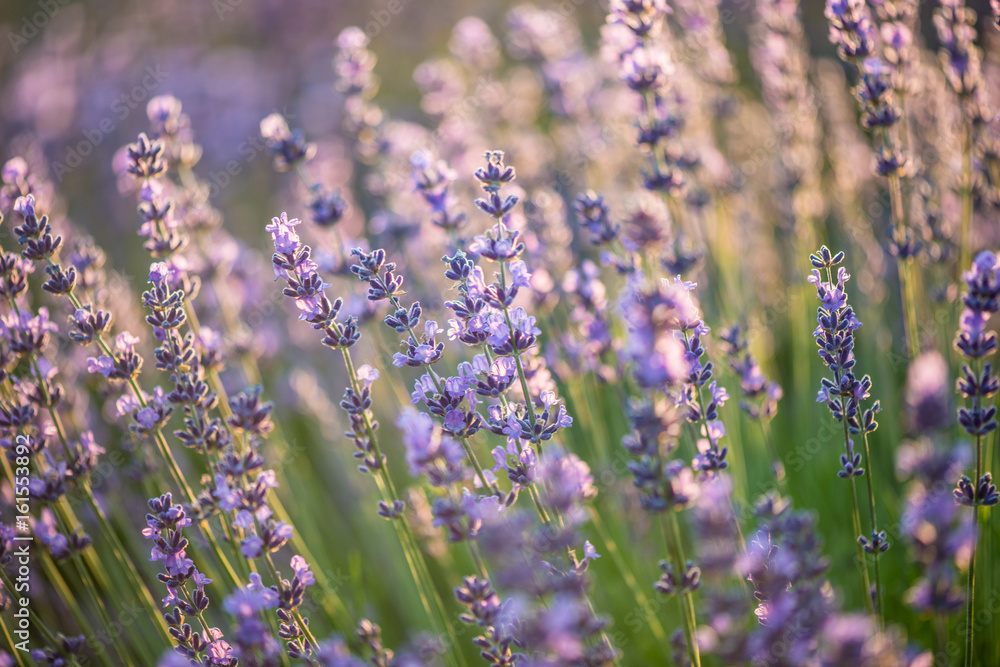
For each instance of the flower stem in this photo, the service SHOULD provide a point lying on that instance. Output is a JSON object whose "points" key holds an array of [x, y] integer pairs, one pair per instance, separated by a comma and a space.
{"points": [[971, 581], [856, 521], [903, 264], [672, 535], [414, 557], [965, 229], [641, 600], [871, 504]]}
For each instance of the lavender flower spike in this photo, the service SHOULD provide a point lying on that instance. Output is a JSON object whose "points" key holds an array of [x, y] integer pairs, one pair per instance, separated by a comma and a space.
{"points": [[843, 395], [977, 385]]}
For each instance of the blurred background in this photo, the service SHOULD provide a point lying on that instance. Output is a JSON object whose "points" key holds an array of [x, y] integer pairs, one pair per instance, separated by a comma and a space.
{"points": [[77, 75]]}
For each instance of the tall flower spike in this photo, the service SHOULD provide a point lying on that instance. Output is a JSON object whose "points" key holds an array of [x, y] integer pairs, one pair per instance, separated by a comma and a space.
{"points": [[844, 394], [978, 416]]}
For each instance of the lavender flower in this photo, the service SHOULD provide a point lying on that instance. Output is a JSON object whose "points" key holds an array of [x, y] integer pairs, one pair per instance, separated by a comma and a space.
{"points": [[834, 336], [164, 525], [289, 148], [927, 391], [761, 395], [252, 640], [537, 562], [961, 58], [487, 611], [35, 233], [592, 214], [844, 393], [851, 29], [432, 180], [939, 534], [977, 383], [428, 451]]}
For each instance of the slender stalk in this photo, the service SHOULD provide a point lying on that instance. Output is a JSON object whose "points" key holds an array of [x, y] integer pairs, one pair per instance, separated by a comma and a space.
{"points": [[117, 547], [965, 224], [904, 266], [971, 580], [414, 557], [528, 402], [777, 468], [856, 521], [672, 536], [87, 581], [611, 547], [880, 593], [940, 630], [10, 643], [56, 579]]}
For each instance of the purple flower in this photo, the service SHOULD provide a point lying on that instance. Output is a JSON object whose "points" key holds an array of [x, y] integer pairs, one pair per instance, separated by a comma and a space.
{"points": [[927, 391], [367, 375], [302, 571], [428, 450], [834, 337], [218, 651], [289, 148], [228, 497], [252, 547], [102, 364], [589, 552]]}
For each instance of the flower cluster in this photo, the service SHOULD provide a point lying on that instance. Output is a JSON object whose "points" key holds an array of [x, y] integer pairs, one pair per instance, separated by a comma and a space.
{"points": [[939, 534], [761, 395], [587, 290], [646, 68], [537, 563], [691, 329], [961, 58], [851, 29], [164, 526], [977, 383], [834, 336], [433, 180]]}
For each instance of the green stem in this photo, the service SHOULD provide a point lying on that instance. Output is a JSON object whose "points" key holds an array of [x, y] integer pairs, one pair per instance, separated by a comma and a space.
{"points": [[50, 636], [856, 520], [965, 230], [414, 557], [777, 467], [469, 453], [10, 643], [641, 600], [971, 581], [875, 555], [117, 547], [88, 583], [676, 552], [528, 402], [904, 267], [56, 579]]}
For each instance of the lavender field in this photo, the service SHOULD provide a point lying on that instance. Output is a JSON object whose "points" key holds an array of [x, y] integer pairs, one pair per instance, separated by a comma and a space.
{"points": [[441, 334]]}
